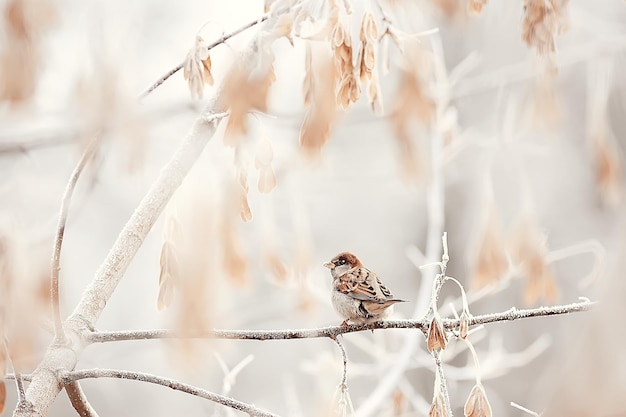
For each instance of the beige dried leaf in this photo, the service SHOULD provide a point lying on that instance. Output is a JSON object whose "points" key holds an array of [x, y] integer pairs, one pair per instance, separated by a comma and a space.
{"points": [[437, 337], [477, 404], [609, 166], [438, 407], [24, 23], [413, 103], [166, 292], [369, 31], [451, 9], [308, 85], [169, 274], [529, 251], [3, 396], [491, 261], [197, 68], [19, 65], [275, 266], [375, 96], [267, 180], [307, 302], [320, 117], [542, 20], [244, 91], [545, 106], [476, 6], [348, 91], [234, 259]]}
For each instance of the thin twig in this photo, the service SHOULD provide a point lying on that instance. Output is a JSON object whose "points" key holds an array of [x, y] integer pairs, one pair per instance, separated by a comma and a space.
{"points": [[19, 381], [344, 357], [332, 331], [443, 386], [219, 41], [79, 400], [68, 377], [524, 409], [345, 402], [90, 151]]}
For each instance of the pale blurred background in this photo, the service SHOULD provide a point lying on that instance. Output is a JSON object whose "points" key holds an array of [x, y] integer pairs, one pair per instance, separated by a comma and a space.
{"points": [[518, 144]]}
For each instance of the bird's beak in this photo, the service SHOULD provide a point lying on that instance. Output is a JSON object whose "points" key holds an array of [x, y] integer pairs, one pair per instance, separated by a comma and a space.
{"points": [[329, 265]]}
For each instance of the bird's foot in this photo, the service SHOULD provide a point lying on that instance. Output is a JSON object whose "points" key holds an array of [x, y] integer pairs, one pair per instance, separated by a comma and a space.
{"points": [[345, 323]]}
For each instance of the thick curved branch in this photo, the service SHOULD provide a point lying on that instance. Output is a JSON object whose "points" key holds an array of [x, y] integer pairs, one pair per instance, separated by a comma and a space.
{"points": [[44, 386], [333, 331], [69, 377]]}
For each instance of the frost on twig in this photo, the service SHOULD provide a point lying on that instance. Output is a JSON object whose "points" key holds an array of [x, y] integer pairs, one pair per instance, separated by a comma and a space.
{"points": [[68, 377]]}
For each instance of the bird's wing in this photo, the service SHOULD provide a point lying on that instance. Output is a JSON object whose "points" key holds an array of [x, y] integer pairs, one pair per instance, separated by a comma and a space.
{"points": [[363, 284]]}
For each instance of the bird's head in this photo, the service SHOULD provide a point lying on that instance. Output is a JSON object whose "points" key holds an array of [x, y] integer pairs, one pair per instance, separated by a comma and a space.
{"points": [[342, 263]]}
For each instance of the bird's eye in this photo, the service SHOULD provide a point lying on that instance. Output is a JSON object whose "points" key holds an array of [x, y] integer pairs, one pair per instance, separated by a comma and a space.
{"points": [[341, 262]]}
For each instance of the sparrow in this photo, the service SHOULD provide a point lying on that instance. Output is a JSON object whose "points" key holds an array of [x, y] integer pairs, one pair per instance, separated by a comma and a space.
{"points": [[357, 293]]}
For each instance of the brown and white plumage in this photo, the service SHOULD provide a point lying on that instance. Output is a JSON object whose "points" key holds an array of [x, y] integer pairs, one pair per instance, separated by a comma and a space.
{"points": [[358, 294]]}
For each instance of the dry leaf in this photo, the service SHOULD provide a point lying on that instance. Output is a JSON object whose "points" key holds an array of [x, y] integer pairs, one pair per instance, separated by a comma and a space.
{"points": [[320, 117], [491, 262], [477, 404], [24, 22], [609, 166], [529, 251], [197, 68], [476, 6], [438, 408], [542, 20], [437, 338], [234, 259], [274, 264], [263, 163], [3, 396]]}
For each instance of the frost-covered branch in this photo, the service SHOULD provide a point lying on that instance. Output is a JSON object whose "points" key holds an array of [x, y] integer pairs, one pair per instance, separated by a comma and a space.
{"points": [[44, 386], [334, 331], [68, 377], [79, 400]]}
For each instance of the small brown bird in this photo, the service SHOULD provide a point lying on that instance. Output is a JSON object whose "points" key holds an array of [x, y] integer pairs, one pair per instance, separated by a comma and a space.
{"points": [[358, 294]]}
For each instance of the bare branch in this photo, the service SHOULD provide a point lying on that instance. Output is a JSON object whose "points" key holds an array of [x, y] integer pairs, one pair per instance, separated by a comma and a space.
{"points": [[90, 151], [333, 331], [44, 386], [219, 41], [68, 377], [19, 380], [344, 357], [79, 400], [443, 386]]}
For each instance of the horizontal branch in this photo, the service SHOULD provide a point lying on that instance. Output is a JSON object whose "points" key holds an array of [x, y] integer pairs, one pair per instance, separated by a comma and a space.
{"points": [[69, 377], [332, 331]]}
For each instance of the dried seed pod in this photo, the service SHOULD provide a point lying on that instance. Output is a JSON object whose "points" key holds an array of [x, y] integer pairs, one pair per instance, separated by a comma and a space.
{"points": [[197, 68], [477, 404], [491, 261], [438, 407], [437, 336]]}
